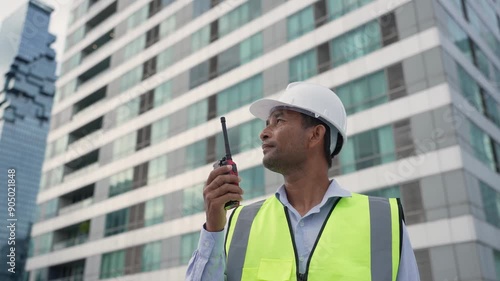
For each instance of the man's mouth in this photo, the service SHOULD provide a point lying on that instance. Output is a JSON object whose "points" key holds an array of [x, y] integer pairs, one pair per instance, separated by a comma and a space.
{"points": [[266, 147]]}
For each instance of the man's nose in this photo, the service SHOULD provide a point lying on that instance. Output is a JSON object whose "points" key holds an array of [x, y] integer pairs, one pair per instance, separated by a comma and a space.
{"points": [[264, 134]]}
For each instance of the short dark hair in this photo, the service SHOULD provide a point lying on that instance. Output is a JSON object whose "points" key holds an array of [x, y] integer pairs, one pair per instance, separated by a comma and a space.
{"points": [[308, 122]]}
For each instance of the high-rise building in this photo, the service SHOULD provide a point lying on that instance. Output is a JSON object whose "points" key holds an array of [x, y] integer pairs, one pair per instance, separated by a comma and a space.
{"points": [[27, 88], [135, 126]]}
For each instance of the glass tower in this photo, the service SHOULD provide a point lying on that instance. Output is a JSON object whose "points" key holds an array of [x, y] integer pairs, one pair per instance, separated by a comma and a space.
{"points": [[27, 88]]}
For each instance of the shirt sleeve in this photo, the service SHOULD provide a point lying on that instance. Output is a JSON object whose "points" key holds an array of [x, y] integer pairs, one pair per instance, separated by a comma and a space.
{"points": [[208, 261], [408, 269]]}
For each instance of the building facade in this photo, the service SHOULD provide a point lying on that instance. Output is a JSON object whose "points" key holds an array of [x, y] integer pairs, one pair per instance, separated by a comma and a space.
{"points": [[135, 126], [27, 88]]}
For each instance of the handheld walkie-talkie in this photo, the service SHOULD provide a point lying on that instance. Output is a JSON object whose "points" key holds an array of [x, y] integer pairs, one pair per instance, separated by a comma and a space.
{"points": [[227, 160]]}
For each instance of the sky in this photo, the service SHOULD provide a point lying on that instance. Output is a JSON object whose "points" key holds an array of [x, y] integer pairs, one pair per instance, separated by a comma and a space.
{"points": [[58, 21]]}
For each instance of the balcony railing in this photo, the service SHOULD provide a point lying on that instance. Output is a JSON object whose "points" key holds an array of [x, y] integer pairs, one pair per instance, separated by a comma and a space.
{"points": [[85, 170], [79, 205], [82, 112], [88, 139], [70, 242], [76, 277]]}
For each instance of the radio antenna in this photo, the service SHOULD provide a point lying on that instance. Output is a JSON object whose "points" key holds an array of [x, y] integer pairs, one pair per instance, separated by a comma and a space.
{"points": [[226, 141]]}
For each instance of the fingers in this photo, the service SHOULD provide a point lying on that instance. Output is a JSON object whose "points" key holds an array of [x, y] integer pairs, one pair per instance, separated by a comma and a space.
{"points": [[213, 191], [223, 199], [218, 171], [220, 188]]}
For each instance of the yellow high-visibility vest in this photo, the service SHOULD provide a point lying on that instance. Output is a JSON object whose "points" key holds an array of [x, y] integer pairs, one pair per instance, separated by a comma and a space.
{"points": [[359, 240]]}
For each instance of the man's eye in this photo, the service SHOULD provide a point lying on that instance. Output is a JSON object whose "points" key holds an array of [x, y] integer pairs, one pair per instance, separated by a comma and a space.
{"points": [[279, 120]]}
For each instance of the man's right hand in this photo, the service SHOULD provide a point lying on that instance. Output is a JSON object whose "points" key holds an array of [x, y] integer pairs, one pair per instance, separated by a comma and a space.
{"points": [[219, 189]]}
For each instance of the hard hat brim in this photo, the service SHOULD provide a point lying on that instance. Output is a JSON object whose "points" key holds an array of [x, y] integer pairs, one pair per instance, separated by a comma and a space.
{"points": [[262, 108]]}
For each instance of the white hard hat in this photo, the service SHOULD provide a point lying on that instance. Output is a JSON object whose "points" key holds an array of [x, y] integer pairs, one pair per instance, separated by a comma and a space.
{"points": [[311, 99]]}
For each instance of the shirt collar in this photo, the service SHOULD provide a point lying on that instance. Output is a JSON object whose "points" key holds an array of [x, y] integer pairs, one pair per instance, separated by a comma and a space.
{"points": [[334, 190]]}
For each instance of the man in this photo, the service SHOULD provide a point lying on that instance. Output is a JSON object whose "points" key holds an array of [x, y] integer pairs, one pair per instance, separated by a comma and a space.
{"points": [[311, 229]]}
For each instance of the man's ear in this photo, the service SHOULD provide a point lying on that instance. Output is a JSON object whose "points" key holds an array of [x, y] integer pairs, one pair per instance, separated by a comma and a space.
{"points": [[317, 136]]}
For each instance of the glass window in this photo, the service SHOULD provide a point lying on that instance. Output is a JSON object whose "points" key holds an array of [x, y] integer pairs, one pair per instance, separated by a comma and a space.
{"points": [[50, 209], [458, 5], [167, 27], [131, 78], [43, 243], [164, 59], [469, 89], [249, 135], [157, 170], [253, 182], [43, 181], [364, 92], [387, 145], [458, 37], [497, 77], [356, 43], [135, 47], [492, 109], [480, 27], [338, 8], [387, 192], [368, 149], [60, 145], [151, 256], [303, 66], [125, 145], [196, 155], [72, 62], [496, 255], [153, 213], [116, 222], [227, 60], [163, 93], [159, 130], [68, 89], [198, 74], [192, 200], [482, 62], [300, 23], [81, 9], [56, 176], [113, 264], [189, 243], [481, 144], [200, 38], [197, 113], [251, 48], [77, 35], [239, 16], [240, 94], [200, 7], [138, 17], [127, 111], [121, 182], [491, 204]]}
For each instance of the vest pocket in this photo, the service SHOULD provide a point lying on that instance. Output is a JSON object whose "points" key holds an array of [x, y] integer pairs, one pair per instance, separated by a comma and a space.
{"points": [[275, 270]]}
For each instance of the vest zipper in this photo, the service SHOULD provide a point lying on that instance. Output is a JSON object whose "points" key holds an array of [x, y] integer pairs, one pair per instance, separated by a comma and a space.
{"points": [[303, 276]]}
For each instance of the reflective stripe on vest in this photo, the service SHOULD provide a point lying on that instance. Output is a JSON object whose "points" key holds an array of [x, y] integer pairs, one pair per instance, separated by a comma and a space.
{"points": [[360, 241], [238, 247]]}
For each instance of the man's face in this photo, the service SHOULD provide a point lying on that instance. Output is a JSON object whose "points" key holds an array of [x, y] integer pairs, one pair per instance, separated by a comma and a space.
{"points": [[284, 141]]}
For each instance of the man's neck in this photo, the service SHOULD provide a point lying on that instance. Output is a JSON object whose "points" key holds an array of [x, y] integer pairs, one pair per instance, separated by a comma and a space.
{"points": [[306, 189]]}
